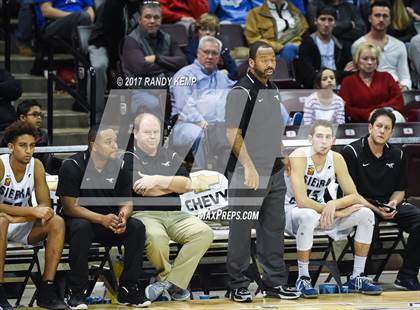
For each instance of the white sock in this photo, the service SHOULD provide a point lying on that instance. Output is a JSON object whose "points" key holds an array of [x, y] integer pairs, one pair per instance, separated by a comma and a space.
{"points": [[303, 269], [358, 265]]}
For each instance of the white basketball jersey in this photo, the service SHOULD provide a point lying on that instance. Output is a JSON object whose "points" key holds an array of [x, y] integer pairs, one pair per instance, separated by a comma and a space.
{"points": [[13, 192], [316, 182]]}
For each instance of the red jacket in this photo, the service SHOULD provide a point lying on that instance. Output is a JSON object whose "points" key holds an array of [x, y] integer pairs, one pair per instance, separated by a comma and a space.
{"points": [[361, 99], [174, 10]]}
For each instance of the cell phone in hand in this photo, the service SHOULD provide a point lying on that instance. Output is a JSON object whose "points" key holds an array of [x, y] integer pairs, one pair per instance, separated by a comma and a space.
{"points": [[379, 204]]}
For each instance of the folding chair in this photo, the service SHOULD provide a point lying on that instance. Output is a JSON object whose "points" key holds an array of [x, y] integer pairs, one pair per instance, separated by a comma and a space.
{"points": [[323, 245], [387, 232], [26, 258], [411, 102], [294, 99], [98, 256], [232, 36], [283, 76]]}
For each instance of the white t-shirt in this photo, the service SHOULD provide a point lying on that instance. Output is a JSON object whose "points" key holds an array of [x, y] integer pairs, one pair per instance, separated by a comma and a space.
{"points": [[327, 53]]}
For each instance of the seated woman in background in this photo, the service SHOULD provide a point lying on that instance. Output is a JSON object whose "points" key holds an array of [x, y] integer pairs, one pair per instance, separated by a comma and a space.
{"points": [[324, 103], [368, 89], [208, 25]]}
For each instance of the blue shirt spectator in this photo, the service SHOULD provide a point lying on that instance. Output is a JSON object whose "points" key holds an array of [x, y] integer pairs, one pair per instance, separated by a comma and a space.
{"points": [[204, 100], [198, 95], [300, 4], [208, 25], [233, 12], [71, 6]]}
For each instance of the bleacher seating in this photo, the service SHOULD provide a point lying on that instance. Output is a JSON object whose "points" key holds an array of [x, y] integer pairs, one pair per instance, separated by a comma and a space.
{"points": [[232, 36], [178, 32], [294, 99], [284, 76]]}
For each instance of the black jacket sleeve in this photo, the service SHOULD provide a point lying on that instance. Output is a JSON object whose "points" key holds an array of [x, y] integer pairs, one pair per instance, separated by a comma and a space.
{"points": [[10, 88], [308, 63]]}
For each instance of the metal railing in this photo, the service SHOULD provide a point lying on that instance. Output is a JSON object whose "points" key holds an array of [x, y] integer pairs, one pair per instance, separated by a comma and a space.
{"points": [[52, 77], [6, 30]]}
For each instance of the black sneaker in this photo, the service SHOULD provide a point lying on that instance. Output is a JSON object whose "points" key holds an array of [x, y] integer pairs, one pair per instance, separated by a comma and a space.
{"points": [[130, 295], [241, 295], [48, 297], [283, 292], [407, 284], [4, 304], [76, 301]]}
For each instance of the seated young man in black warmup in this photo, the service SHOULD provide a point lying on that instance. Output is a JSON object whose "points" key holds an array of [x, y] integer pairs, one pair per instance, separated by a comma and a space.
{"points": [[95, 189]]}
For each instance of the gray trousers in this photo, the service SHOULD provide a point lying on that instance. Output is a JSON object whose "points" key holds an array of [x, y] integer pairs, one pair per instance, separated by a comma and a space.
{"points": [[270, 232], [65, 27], [414, 55], [99, 60]]}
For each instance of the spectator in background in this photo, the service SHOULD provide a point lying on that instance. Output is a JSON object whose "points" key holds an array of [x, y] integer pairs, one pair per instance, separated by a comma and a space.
{"points": [[413, 8], [233, 12], [322, 50], [402, 22], [349, 24], [324, 104], [363, 7], [24, 28], [104, 43], [62, 17], [208, 25], [30, 111], [109, 27], [300, 4], [181, 11], [200, 107], [368, 89], [278, 23], [393, 56], [10, 89], [150, 52], [414, 55]]}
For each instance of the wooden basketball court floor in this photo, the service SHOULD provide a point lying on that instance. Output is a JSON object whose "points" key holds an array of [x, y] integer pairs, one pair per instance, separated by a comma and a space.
{"points": [[388, 300]]}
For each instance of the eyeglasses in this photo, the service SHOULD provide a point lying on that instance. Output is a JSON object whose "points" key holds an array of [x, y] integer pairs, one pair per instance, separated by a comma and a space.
{"points": [[36, 114], [210, 53]]}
